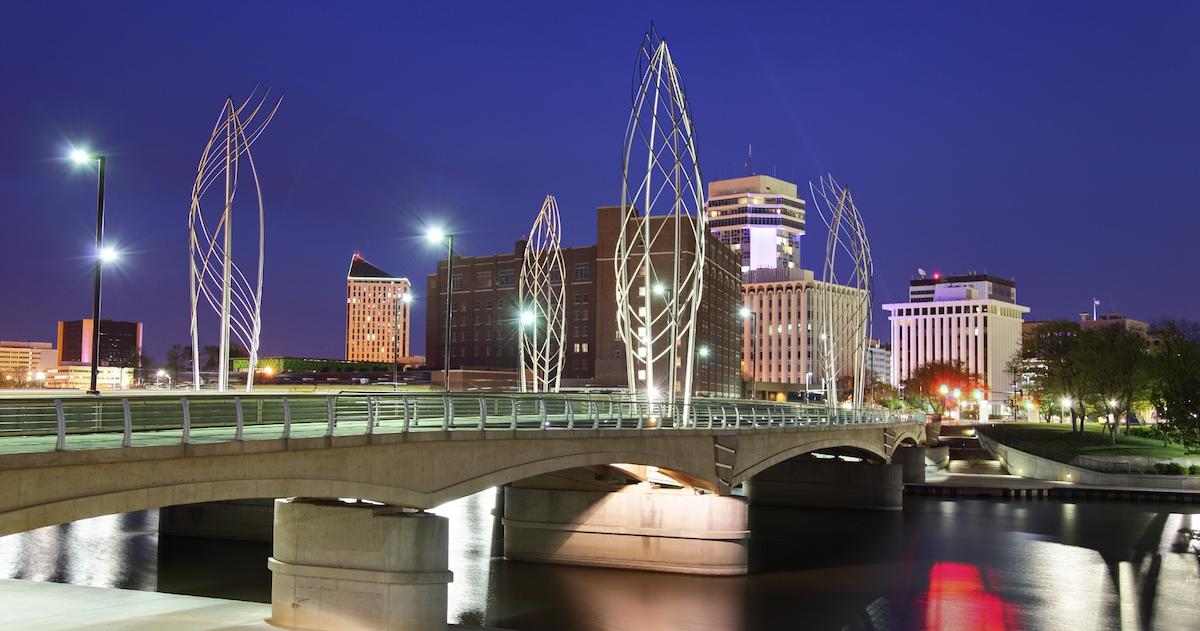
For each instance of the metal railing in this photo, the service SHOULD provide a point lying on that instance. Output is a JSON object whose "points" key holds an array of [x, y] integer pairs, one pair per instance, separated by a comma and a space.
{"points": [[139, 419]]}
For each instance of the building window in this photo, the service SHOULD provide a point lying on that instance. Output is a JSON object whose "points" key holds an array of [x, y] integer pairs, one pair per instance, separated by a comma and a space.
{"points": [[456, 284], [483, 280], [505, 278], [582, 271]]}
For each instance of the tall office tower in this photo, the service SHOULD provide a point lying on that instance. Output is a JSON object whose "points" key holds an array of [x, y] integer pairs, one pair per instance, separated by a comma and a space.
{"points": [[760, 217], [120, 342], [972, 320], [377, 313], [781, 332]]}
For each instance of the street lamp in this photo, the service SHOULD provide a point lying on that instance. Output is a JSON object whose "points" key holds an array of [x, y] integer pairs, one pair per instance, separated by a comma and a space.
{"points": [[436, 235], [1066, 404], [103, 255], [748, 315]]}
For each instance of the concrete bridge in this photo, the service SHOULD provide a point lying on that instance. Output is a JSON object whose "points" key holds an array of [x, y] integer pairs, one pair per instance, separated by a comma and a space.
{"points": [[591, 479]]}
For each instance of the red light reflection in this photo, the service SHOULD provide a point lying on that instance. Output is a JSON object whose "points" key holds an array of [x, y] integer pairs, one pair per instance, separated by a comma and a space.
{"points": [[958, 598]]}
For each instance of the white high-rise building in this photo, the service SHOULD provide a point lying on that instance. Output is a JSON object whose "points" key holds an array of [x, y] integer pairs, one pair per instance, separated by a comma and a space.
{"points": [[971, 320], [760, 217]]}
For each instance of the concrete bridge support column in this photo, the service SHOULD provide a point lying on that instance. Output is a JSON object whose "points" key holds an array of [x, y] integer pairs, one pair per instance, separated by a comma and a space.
{"points": [[639, 527], [817, 483], [912, 462], [358, 566]]}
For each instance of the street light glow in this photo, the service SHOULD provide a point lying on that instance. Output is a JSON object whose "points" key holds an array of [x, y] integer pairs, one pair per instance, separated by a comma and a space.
{"points": [[79, 156], [745, 312], [528, 317], [108, 254], [406, 299], [944, 389], [1066, 402], [659, 289], [957, 393], [435, 235], [161, 373], [1112, 402], [978, 395], [704, 351]]}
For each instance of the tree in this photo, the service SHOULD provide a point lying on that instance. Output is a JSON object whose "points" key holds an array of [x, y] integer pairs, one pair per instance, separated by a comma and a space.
{"points": [[178, 357], [1114, 366], [1175, 388], [1050, 354], [923, 388]]}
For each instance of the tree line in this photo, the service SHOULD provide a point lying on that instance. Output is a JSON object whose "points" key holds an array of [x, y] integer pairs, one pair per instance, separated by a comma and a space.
{"points": [[1116, 373]]}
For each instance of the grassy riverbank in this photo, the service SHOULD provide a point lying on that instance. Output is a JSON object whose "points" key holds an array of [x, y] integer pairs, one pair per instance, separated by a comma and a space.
{"points": [[1058, 438]]}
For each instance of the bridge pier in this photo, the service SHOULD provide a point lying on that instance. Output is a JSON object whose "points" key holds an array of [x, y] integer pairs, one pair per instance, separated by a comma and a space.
{"points": [[358, 566], [912, 462], [806, 482], [637, 527]]}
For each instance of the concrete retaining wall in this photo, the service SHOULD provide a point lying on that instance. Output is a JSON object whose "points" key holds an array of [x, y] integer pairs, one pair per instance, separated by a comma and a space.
{"points": [[1030, 466]]}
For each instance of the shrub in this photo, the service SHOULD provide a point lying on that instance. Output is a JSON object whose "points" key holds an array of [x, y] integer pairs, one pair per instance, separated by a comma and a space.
{"points": [[1160, 468], [1194, 469], [1174, 468]]}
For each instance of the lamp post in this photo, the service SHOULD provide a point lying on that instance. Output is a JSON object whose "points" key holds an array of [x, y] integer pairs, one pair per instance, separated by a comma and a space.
{"points": [[103, 255], [527, 319], [748, 315], [402, 301], [435, 235]]}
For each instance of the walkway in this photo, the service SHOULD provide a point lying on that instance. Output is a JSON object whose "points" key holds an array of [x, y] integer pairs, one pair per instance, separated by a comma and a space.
{"points": [[41, 606]]}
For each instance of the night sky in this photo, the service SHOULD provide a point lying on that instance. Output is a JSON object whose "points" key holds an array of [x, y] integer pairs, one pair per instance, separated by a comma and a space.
{"points": [[1053, 142]]}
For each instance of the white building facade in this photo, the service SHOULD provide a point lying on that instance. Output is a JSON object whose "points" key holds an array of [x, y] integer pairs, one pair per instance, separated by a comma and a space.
{"points": [[760, 217], [20, 362], [971, 320], [781, 333]]}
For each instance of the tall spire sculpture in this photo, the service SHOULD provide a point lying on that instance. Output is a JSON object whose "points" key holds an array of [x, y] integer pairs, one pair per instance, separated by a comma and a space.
{"points": [[845, 297], [214, 277], [542, 296], [659, 256]]}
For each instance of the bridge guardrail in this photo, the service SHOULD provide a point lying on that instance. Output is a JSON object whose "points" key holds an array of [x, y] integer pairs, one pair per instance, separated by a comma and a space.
{"points": [[199, 417]]}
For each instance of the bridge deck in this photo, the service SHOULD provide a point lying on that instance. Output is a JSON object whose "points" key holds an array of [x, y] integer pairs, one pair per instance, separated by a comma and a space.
{"points": [[40, 424]]}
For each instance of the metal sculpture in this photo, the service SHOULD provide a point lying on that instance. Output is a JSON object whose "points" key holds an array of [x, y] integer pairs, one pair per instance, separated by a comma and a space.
{"points": [[542, 297], [844, 307], [213, 273], [659, 258]]}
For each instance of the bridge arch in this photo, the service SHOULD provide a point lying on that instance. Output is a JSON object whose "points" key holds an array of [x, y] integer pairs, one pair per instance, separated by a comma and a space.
{"points": [[868, 449], [389, 489]]}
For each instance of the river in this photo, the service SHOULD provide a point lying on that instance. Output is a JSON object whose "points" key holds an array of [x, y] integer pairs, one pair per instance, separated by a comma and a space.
{"points": [[939, 564]]}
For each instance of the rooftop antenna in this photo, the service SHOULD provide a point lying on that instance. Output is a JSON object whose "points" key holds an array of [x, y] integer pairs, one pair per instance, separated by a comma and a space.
{"points": [[750, 159], [921, 272], [1095, 305]]}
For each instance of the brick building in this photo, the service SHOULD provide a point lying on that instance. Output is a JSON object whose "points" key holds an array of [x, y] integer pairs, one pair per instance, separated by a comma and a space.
{"points": [[484, 329]]}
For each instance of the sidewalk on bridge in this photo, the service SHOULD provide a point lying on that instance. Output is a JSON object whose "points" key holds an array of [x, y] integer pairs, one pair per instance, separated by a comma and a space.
{"points": [[56, 606]]}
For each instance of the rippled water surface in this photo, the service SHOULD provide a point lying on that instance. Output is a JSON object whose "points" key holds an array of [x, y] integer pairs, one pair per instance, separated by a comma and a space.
{"points": [[939, 564]]}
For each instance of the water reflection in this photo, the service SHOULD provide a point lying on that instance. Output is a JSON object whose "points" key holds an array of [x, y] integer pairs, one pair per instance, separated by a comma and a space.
{"points": [[939, 564]]}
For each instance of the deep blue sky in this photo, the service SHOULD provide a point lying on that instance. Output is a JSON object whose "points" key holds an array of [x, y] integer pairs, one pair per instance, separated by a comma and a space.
{"points": [[1053, 142]]}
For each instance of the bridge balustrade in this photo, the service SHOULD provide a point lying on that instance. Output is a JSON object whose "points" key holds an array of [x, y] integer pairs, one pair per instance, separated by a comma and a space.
{"points": [[45, 423]]}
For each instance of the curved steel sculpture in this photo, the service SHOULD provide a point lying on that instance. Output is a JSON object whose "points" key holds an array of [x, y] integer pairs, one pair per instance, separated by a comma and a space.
{"points": [[542, 297], [213, 274], [845, 320], [659, 257]]}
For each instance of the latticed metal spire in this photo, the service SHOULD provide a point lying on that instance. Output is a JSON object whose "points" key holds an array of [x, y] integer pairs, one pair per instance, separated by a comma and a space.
{"points": [[213, 273], [659, 257], [845, 322], [542, 298]]}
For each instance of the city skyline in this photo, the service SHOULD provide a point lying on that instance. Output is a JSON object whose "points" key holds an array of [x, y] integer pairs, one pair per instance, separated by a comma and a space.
{"points": [[356, 163]]}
